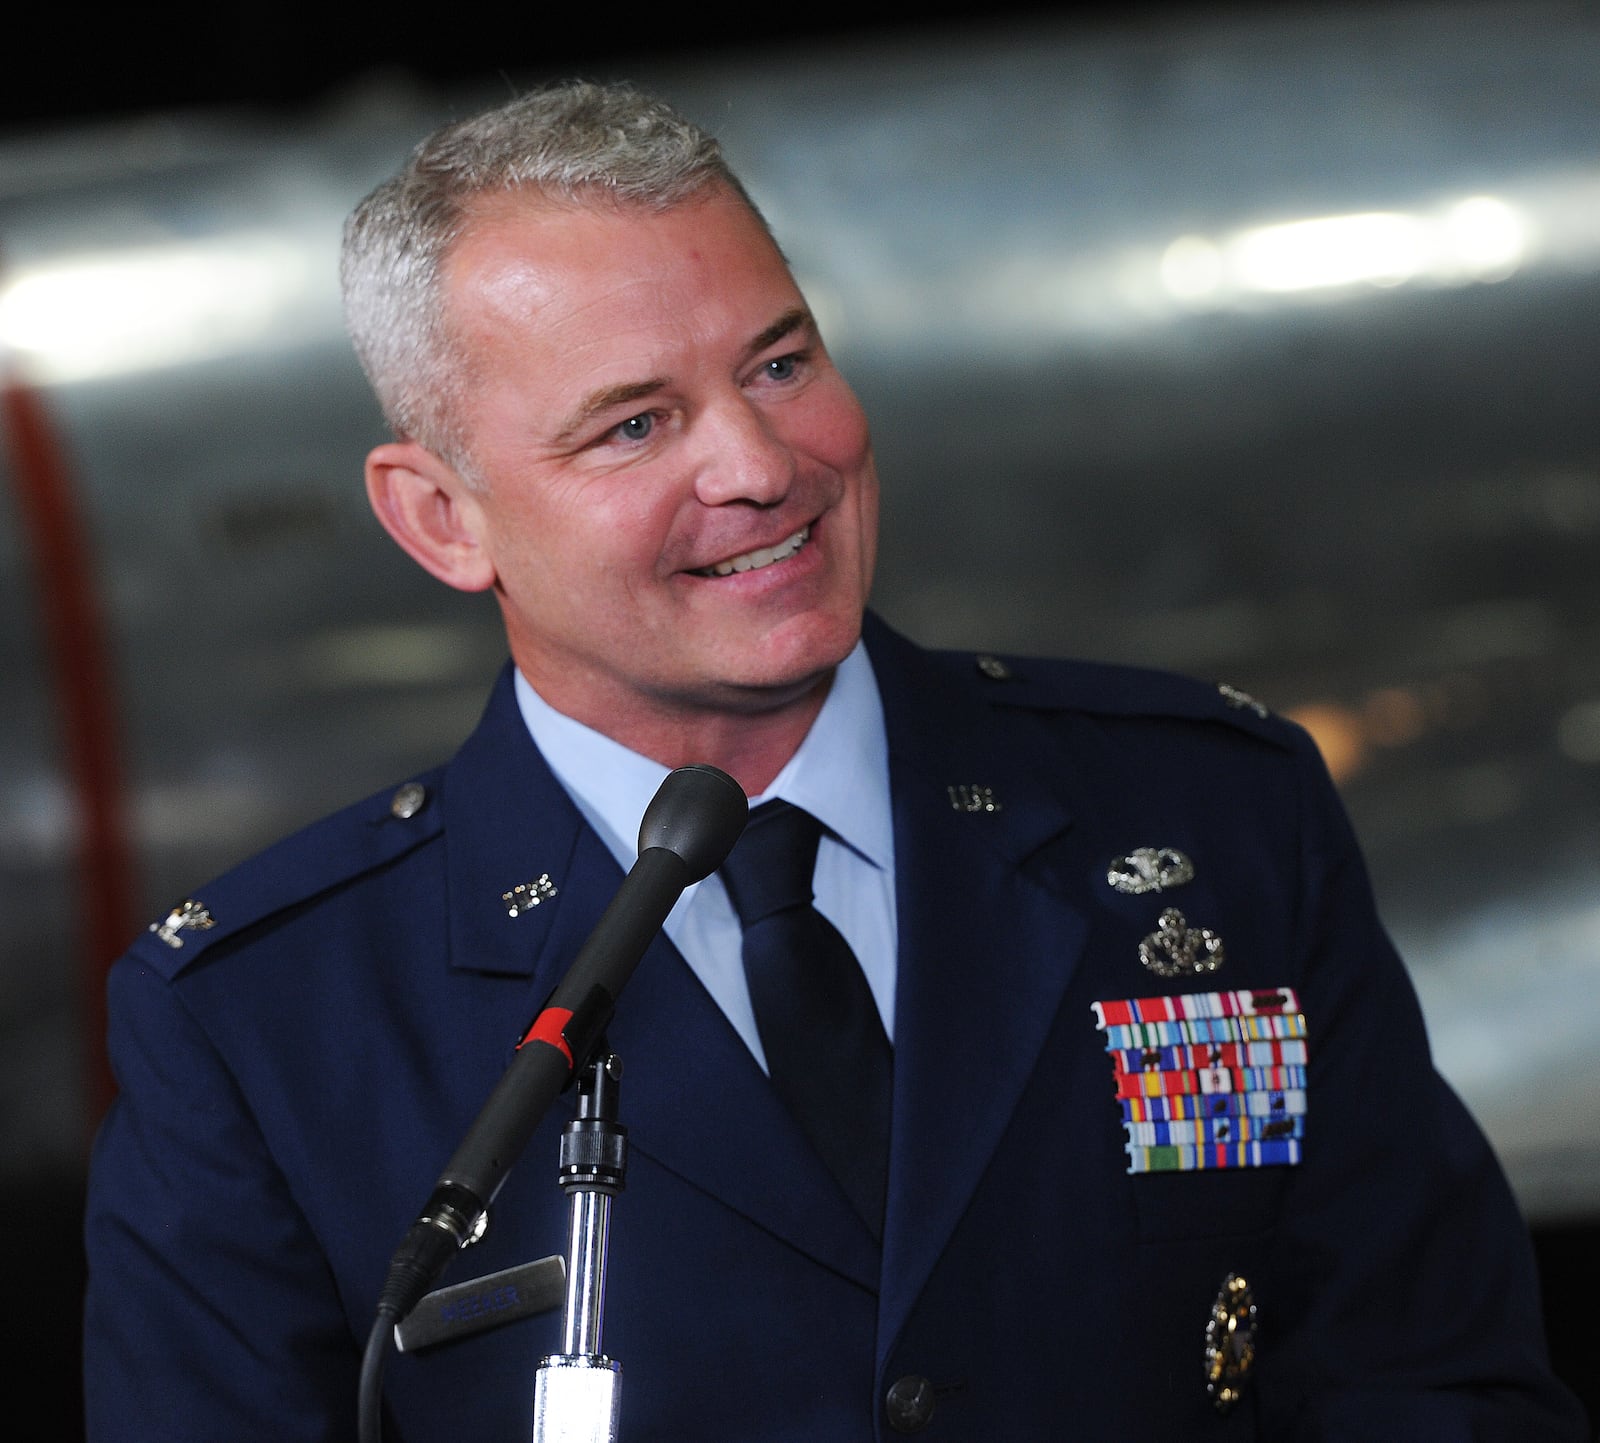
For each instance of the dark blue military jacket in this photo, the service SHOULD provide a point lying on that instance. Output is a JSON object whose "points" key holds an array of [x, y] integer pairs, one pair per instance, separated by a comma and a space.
{"points": [[294, 1077]]}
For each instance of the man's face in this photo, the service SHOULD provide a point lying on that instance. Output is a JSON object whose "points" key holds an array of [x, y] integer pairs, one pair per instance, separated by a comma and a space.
{"points": [[680, 502]]}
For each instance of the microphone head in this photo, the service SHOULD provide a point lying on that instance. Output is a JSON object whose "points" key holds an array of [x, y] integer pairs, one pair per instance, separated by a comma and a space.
{"points": [[696, 814]]}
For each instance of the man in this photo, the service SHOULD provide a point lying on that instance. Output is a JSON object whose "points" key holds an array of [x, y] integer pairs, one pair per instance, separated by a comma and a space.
{"points": [[1166, 1159]]}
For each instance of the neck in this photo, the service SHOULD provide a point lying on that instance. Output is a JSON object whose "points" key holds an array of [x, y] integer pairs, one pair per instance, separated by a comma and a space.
{"points": [[751, 746], [750, 749]]}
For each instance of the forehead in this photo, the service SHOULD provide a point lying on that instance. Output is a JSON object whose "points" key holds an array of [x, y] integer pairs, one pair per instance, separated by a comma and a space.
{"points": [[522, 254]]}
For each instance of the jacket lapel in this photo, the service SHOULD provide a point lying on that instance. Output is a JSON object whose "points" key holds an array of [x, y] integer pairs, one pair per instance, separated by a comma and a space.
{"points": [[509, 823], [988, 944], [693, 1099], [696, 1103]]}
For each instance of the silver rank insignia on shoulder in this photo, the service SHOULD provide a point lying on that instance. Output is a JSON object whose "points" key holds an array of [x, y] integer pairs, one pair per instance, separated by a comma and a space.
{"points": [[528, 895], [1230, 1342], [1241, 700], [187, 916], [1150, 869], [973, 799], [1175, 949]]}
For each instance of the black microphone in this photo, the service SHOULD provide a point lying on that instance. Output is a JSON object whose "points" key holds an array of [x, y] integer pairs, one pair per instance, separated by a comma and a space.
{"points": [[688, 830]]}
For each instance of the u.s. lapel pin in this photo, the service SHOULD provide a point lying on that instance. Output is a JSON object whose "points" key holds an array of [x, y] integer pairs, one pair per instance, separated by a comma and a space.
{"points": [[973, 798], [1175, 949], [1150, 869], [188, 916], [528, 895], [1230, 1342]]}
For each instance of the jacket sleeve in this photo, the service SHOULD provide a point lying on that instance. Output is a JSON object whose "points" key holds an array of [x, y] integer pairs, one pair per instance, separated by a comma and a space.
{"points": [[211, 1312], [1416, 1301]]}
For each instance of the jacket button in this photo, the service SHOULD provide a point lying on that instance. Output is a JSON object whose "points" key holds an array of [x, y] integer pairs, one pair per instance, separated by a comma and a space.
{"points": [[408, 801], [909, 1403]]}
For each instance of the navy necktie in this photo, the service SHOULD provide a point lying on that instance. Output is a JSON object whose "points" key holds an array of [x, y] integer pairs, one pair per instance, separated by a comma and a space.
{"points": [[827, 1053]]}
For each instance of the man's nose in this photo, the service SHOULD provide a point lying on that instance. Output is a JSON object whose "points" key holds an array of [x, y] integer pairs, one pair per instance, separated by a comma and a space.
{"points": [[744, 456]]}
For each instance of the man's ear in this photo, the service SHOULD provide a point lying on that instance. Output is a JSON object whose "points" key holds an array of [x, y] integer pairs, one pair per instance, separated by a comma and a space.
{"points": [[431, 512]]}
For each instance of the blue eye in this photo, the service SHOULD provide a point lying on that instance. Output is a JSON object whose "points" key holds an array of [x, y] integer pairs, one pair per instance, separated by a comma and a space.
{"points": [[636, 428], [783, 368]]}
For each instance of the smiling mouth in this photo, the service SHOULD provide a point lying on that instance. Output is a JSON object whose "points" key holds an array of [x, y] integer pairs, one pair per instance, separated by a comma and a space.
{"points": [[764, 556]]}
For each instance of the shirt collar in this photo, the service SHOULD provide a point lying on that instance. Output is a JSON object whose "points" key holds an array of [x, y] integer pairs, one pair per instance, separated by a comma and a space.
{"points": [[840, 774]]}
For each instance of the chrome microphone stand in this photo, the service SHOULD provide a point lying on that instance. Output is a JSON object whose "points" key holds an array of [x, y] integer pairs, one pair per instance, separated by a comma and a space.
{"points": [[576, 1392]]}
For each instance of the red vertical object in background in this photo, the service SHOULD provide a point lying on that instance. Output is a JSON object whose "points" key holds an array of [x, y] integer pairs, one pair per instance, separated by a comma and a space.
{"points": [[84, 687]]}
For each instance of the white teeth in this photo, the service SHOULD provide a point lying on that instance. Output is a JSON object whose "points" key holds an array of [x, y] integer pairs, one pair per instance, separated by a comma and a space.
{"points": [[755, 560]]}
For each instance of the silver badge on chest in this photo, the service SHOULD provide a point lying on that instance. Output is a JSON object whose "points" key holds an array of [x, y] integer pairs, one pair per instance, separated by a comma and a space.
{"points": [[1175, 949], [1150, 869]]}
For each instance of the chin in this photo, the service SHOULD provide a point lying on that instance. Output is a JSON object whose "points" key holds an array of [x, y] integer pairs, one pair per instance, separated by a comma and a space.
{"points": [[808, 648], [773, 681]]}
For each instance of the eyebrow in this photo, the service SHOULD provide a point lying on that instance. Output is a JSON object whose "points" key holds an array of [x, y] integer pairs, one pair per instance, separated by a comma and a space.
{"points": [[603, 401], [613, 396], [786, 325]]}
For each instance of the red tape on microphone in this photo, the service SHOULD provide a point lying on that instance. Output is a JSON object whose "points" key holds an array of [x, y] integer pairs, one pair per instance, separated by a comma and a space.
{"points": [[550, 1027]]}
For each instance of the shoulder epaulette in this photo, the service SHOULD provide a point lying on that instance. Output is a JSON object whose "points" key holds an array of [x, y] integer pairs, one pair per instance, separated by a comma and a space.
{"points": [[1104, 689], [327, 854]]}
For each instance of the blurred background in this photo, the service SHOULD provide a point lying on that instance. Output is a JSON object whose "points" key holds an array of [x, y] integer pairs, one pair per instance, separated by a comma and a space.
{"points": [[1258, 342]]}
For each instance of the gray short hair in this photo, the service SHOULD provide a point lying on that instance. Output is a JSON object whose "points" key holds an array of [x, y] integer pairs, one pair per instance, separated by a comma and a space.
{"points": [[575, 142]]}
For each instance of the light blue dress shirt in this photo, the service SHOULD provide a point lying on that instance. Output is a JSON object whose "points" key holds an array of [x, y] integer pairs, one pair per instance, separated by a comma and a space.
{"points": [[840, 775]]}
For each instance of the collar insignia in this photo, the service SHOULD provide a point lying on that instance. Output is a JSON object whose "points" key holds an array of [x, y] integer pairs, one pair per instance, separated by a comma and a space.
{"points": [[528, 895]]}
